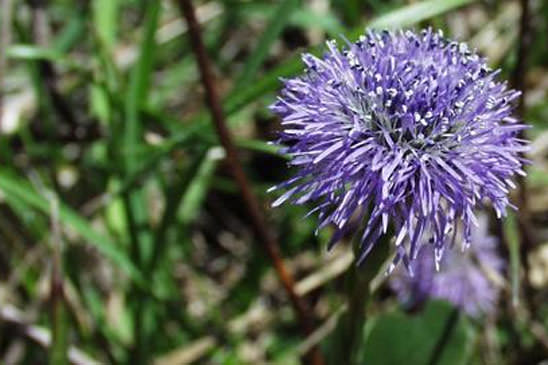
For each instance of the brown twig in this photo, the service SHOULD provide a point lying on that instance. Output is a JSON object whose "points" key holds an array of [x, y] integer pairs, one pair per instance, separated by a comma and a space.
{"points": [[250, 201]]}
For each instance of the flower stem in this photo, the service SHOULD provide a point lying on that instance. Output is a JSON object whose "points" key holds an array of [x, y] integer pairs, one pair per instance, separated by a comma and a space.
{"points": [[348, 337], [443, 340]]}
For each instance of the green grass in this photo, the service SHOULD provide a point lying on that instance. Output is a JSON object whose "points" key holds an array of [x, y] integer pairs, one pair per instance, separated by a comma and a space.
{"points": [[157, 250]]}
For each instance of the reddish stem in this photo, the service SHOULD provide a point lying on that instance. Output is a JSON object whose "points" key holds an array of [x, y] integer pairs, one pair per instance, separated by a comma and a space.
{"points": [[259, 224]]}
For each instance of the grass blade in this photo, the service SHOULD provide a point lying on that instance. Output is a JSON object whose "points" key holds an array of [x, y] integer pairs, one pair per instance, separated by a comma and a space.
{"points": [[197, 189], [71, 33], [174, 195], [414, 13], [136, 209], [512, 236], [36, 53], [276, 23], [139, 85], [105, 18], [24, 192], [327, 22], [134, 202]]}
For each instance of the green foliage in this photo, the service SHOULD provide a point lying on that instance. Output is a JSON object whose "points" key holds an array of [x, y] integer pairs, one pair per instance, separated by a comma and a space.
{"points": [[23, 193], [158, 252], [399, 338]]}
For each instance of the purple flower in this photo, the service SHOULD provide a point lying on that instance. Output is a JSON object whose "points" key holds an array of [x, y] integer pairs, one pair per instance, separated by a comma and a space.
{"points": [[399, 130], [466, 279]]}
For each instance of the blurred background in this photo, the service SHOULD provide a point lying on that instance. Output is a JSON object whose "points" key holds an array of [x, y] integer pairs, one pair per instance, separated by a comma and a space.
{"points": [[123, 236]]}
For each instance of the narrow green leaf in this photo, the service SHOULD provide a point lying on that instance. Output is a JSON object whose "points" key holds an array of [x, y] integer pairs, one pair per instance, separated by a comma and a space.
{"points": [[139, 84], [302, 16], [24, 192], [134, 202], [260, 146], [105, 19], [512, 237], [118, 334], [414, 13], [29, 52], [115, 216], [327, 22], [71, 33], [36, 53], [351, 11], [136, 207], [198, 187], [174, 195], [537, 176], [275, 25], [99, 103]]}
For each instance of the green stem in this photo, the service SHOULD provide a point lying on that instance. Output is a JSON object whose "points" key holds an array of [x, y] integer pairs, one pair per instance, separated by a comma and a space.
{"points": [[443, 340], [59, 341], [348, 337]]}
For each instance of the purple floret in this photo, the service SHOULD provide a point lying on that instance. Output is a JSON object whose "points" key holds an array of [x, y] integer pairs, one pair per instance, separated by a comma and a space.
{"points": [[402, 130], [466, 279]]}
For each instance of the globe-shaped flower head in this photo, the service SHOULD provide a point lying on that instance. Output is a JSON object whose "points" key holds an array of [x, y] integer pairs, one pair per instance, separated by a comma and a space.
{"points": [[403, 130]]}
